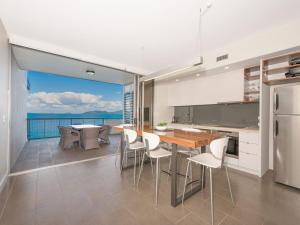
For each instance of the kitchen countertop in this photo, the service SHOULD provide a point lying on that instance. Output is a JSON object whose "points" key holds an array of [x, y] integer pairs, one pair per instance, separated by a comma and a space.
{"points": [[213, 127]]}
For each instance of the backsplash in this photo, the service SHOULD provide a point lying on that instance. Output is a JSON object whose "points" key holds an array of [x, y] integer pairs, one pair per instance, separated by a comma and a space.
{"points": [[240, 114]]}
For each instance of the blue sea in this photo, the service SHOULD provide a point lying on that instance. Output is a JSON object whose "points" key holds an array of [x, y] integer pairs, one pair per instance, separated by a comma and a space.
{"points": [[44, 125]]}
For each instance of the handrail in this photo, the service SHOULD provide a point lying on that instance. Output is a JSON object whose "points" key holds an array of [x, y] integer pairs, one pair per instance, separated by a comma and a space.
{"points": [[74, 118], [38, 128]]}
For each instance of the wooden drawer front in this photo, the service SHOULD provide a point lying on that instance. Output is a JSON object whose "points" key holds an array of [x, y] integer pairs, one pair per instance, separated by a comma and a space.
{"points": [[249, 148], [248, 137], [248, 161]]}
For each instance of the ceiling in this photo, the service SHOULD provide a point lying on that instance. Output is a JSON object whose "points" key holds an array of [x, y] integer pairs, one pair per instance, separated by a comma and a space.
{"points": [[28, 59], [143, 36]]}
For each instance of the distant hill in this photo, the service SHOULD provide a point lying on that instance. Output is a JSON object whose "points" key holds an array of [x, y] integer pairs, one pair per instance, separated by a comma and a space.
{"points": [[104, 112]]}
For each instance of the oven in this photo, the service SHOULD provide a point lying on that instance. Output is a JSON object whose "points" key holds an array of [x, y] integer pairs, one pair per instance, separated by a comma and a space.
{"points": [[233, 143]]}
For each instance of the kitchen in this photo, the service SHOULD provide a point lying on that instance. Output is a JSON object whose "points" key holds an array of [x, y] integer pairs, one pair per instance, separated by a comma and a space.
{"points": [[236, 101]]}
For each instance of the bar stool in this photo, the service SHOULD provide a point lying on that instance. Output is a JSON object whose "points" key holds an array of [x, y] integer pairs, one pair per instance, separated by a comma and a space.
{"points": [[153, 151], [131, 144], [211, 160]]}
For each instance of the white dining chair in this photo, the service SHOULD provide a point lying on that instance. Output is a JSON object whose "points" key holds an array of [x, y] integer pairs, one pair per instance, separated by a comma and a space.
{"points": [[153, 151], [211, 160], [131, 144]]}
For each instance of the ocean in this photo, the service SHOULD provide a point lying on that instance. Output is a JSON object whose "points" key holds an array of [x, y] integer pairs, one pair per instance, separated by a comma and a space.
{"points": [[45, 125]]}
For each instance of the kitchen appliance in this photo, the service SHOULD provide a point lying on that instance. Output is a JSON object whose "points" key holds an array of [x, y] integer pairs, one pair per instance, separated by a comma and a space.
{"points": [[233, 143], [286, 111]]}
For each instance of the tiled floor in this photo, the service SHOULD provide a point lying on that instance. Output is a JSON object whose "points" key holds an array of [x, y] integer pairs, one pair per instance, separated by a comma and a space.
{"points": [[95, 193], [47, 152]]}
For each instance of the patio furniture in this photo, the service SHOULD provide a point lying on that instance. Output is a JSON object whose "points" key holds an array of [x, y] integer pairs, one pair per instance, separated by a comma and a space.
{"points": [[89, 137], [68, 137], [104, 134]]}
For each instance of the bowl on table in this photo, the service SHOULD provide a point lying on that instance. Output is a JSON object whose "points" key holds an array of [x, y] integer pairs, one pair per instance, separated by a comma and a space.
{"points": [[161, 128]]}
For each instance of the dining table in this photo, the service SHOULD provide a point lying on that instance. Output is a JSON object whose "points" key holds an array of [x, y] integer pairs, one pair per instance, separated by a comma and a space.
{"points": [[174, 137], [83, 126]]}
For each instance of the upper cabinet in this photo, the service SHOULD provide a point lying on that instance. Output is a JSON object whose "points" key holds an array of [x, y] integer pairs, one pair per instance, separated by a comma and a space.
{"points": [[281, 69], [207, 89]]}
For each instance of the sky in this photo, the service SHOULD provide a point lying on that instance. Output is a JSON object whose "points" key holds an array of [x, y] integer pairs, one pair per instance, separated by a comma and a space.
{"points": [[51, 93]]}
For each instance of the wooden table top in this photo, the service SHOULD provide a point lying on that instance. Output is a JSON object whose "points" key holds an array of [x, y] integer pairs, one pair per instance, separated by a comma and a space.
{"points": [[179, 137]]}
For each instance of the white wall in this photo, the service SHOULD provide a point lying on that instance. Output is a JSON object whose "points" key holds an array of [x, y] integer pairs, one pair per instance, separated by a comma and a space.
{"points": [[4, 104], [162, 112], [264, 119], [207, 89], [18, 126], [259, 44]]}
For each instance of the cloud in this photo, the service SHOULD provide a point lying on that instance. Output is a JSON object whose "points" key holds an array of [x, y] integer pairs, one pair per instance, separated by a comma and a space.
{"points": [[69, 102]]}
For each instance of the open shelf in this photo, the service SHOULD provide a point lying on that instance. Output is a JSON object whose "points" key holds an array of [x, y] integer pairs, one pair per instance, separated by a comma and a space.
{"points": [[283, 81], [251, 92], [280, 69], [256, 77], [280, 65], [251, 84]]}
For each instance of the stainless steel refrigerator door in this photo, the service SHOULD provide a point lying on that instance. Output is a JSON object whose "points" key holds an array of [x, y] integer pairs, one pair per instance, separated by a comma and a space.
{"points": [[287, 100], [287, 150]]}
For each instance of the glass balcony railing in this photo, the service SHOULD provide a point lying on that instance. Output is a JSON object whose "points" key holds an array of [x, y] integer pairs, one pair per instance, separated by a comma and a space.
{"points": [[38, 128]]}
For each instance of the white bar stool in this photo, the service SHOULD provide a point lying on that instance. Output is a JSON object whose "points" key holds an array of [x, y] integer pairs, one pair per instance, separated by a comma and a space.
{"points": [[211, 160], [153, 151], [131, 144]]}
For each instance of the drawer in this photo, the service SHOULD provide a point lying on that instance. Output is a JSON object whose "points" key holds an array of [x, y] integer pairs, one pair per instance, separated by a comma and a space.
{"points": [[248, 161], [249, 148], [251, 137], [231, 161]]}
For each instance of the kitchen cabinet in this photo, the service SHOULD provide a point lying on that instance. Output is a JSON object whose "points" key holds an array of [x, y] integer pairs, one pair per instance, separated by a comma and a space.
{"points": [[206, 89], [249, 159]]}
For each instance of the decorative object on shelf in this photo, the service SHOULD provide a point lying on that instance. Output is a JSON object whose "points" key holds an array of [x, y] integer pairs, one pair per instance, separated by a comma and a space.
{"points": [[162, 126], [251, 83], [282, 69]]}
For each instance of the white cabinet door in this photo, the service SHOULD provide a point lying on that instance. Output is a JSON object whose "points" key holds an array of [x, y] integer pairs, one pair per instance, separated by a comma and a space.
{"points": [[211, 89], [249, 137], [248, 161], [249, 148]]}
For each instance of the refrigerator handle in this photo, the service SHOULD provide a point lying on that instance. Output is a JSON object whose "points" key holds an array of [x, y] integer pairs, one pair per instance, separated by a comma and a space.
{"points": [[276, 101], [276, 127]]}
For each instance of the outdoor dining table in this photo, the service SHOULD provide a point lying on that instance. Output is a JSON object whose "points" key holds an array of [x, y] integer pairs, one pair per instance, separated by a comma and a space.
{"points": [[190, 140], [83, 126]]}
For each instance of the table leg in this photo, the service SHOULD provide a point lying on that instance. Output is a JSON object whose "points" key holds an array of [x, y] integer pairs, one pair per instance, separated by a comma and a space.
{"points": [[203, 150], [121, 151], [175, 199], [174, 176]]}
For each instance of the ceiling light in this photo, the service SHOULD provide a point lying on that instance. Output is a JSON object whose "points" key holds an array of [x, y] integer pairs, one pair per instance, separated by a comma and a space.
{"points": [[227, 67], [177, 80], [90, 72], [198, 75]]}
